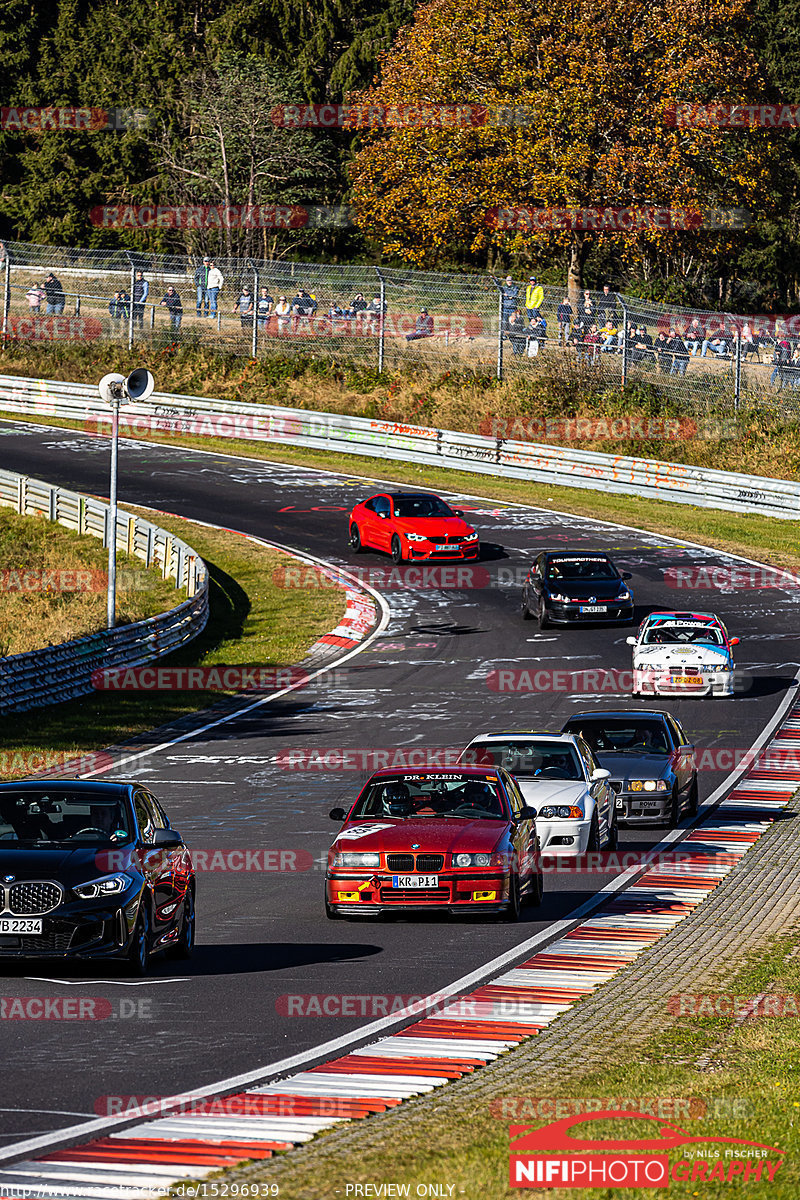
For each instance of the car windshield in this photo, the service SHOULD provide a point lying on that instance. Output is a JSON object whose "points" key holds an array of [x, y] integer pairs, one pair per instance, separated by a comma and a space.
{"points": [[581, 567], [530, 759], [57, 815], [451, 795], [421, 506], [624, 737], [684, 635]]}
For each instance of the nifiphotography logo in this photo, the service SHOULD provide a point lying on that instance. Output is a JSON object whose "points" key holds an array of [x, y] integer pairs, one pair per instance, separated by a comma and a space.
{"points": [[550, 1156]]}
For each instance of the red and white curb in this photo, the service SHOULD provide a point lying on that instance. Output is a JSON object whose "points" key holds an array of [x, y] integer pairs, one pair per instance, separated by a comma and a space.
{"points": [[142, 1161]]}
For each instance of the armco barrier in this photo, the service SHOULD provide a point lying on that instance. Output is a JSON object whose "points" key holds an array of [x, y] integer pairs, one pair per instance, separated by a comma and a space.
{"points": [[58, 673], [167, 415]]}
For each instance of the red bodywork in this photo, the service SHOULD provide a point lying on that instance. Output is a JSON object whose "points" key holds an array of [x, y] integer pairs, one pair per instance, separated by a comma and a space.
{"points": [[428, 846], [446, 538]]}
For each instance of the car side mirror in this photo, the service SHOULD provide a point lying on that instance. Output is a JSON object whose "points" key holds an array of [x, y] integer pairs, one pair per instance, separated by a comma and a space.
{"points": [[599, 774], [631, 641], [686, 748], [337, 814], [733, 642], [384, 516], [458, 513], [167, 839], [528, 813], [627, 575]]}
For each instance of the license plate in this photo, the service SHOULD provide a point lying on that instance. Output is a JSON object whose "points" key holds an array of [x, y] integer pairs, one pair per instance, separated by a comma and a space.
{"points": [[20, 925], [594, 608], [415, 881], [688, 680], [442, 547]]}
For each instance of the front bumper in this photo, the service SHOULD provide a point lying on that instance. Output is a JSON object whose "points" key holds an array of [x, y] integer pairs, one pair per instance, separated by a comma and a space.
{"points": [[358, 892], [98, 933], [642, 808], [419, 552], [569, 614], [564, 837], [663, 682]]}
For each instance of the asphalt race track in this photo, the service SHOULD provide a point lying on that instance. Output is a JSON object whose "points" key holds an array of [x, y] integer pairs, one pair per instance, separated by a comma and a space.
{"points": [[264, 936]]}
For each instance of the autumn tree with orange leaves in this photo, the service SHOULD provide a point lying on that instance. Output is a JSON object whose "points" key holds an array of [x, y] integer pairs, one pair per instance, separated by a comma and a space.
{"points": [[598, 78]]}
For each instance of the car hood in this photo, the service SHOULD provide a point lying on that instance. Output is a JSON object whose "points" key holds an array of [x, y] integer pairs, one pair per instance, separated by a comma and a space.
{"points": [[699, 653], [433, 526], [551, 791], [65, 864], [582, 589], [635, 766], [453, 835]]}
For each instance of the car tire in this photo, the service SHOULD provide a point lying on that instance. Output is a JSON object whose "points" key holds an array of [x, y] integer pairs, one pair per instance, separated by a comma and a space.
{"points": [[613, 834], [397, 550], [137, 958], [355, 540], [693, 798], [511, 912], [674, 810], [544, 619], [527, 615], [593, 844], [182, 949], [533, 896]]}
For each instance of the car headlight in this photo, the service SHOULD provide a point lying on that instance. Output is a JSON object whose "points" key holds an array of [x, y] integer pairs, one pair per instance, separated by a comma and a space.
{"points": [[560, 810], [107, 885], [472, 860], [471, 536], [647, 785], [416, 537], [559, 599], [349, 858], [624, 595]]}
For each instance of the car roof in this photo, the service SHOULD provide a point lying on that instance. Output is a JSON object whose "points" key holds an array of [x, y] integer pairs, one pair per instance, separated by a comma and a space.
{"points": [[705, 618], [78, 785], [577, 553], [458, 769], [563, 738], [626, 713]]}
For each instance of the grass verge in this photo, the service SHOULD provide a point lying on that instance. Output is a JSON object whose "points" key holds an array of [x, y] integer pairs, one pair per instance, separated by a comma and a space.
{"points": [[53, 585], [711, 1076], [253, 621]]}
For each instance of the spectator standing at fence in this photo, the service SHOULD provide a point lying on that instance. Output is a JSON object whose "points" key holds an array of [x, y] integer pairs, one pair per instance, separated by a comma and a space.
{"points": [[118, 309], [663, 351], [423, 327], [680, 354], [141, 290], [264, 307], [172, 301], [35, 295], [215, 281], [643, 348], [564, 316], [54, 294], [516, 331], [509, 293], [244, 307], [304, 306], [201, 286], [282, 311], [534, 297], [536, 334], [607, 306], [780, 359], [589, 306]]}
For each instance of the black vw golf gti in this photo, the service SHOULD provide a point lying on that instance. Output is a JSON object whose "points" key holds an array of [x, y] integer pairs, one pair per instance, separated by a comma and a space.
{"points": [[569, 587], [91, 869]]}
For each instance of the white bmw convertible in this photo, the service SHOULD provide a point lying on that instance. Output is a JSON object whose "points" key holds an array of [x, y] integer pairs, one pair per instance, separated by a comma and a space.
{"points": [[682, 654]]}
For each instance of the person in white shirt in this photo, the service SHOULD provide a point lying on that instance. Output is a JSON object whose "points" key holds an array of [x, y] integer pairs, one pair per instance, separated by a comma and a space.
{"points": [[215, 282], [282, 311]]}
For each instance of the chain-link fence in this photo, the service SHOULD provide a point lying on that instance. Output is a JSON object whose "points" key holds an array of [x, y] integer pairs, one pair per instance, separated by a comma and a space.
{"points": [[389, 319]]}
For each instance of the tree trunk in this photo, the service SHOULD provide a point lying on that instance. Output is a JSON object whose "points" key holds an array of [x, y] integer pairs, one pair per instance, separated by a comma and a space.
{"points": [[578, 253]]}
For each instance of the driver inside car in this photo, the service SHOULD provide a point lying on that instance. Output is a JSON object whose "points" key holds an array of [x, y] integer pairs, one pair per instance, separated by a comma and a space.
{"points": [[396, 800]]}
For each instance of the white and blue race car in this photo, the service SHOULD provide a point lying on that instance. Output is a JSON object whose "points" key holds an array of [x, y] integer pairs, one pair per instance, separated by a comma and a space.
{"points": [[682, 654]]}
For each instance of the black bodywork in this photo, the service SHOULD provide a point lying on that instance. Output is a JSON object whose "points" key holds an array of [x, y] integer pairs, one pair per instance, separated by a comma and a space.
{"points": [[567, 587]]}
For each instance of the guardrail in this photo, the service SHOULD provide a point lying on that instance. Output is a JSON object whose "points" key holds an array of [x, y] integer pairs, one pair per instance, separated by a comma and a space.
{"points": [[58, 673], [168, 415]]}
